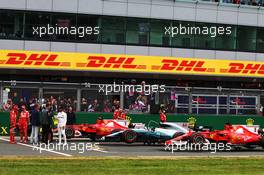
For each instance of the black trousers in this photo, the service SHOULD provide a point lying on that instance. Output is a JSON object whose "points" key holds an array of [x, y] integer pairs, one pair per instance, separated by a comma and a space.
{"points": [[45, 133]]}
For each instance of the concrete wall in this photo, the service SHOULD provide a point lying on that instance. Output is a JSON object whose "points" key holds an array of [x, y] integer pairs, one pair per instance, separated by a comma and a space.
{"points": [[163, 9]]}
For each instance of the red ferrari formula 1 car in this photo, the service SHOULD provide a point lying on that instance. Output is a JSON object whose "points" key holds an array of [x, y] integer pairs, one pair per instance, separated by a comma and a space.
{"points": [[236, 135], [98, 130]]}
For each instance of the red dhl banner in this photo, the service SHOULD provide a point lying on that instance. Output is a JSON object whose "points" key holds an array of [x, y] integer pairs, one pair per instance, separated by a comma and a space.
{"points": [[16, 59]]}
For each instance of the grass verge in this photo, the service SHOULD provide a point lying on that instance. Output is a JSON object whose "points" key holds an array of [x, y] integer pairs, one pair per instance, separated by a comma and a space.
{"points": [[129, 166]]}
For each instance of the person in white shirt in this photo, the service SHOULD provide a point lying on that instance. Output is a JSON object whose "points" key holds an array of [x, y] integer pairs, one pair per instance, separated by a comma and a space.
{"points": [[62, 120]]}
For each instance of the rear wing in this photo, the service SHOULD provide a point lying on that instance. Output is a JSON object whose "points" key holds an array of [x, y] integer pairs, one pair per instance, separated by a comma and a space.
{"points": [[252, 128]]}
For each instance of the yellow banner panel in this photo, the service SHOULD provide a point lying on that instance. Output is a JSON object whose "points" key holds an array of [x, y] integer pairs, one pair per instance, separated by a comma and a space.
{"points": [[15, 59]]}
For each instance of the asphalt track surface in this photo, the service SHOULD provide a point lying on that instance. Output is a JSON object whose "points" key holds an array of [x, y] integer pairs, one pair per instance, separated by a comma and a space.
{"points": [[100, 149]]}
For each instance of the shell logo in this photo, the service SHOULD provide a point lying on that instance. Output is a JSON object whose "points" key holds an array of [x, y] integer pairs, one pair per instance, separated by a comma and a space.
{"points": [[250, 122], [191, 121]]}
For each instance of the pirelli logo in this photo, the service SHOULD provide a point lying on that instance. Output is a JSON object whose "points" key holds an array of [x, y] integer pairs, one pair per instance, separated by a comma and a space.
{"points": [[126, 63]]}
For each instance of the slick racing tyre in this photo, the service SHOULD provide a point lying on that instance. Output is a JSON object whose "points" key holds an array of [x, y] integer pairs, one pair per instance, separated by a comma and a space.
{"points": [[129, 136], [262, 142], [197, 138], [69, 133]]}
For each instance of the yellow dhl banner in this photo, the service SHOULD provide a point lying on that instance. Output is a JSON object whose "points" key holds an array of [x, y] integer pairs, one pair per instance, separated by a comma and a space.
{"points": [[16, 59]]}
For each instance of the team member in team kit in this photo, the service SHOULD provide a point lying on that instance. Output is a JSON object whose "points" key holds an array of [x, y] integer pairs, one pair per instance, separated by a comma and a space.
{"points": [[62, 120], [123, 115], [23, 124], [13, 118], [163, 117], [116, 114]]}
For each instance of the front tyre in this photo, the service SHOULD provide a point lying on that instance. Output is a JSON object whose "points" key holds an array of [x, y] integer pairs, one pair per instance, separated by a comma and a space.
{"points": [[262, 142], [197, 138], [130, 136]]}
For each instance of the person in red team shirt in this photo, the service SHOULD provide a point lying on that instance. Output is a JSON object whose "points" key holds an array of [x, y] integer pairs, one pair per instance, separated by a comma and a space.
{"points": [[163, 117], [116, 114], [13, 117], [23, 124], [123, 115]]}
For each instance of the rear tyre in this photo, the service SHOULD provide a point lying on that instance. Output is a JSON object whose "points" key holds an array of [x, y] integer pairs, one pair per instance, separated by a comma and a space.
{"points": [[93, 137], [262, 142], [69, 133], [130, 136]]}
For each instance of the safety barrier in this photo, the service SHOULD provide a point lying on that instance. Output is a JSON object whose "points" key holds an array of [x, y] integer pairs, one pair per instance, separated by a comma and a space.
{"points": [[216, 121]]}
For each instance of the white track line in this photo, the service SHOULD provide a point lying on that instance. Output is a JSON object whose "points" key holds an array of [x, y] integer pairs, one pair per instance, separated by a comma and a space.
{"points": [[38, 148], [99, 150]]}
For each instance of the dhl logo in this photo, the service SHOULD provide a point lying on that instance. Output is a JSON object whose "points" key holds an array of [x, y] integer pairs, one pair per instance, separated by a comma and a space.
{"points": [[127, 62], [111, 62], [246, 68], [183, 65], [103, 62], [33, 59]]}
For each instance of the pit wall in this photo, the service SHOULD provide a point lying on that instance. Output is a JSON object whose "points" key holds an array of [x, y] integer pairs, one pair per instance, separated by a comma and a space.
{"points": [[215, 121]]}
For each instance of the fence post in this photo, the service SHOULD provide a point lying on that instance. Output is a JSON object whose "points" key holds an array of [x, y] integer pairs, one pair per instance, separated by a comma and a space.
{"points": [[258, 104], [122, 100], [228, 103], [190, 102], [1, 95], [78, 107], [40, 95]]}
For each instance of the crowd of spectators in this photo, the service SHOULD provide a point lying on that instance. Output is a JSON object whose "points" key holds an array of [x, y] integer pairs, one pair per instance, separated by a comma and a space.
{"points": [[31, 102], [242, 2], [99, 105], [134, 102]]}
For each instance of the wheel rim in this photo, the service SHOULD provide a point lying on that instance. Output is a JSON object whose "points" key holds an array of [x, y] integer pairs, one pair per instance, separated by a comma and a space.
{"points": [[69, 132], [130, 136], [199, 140]]}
